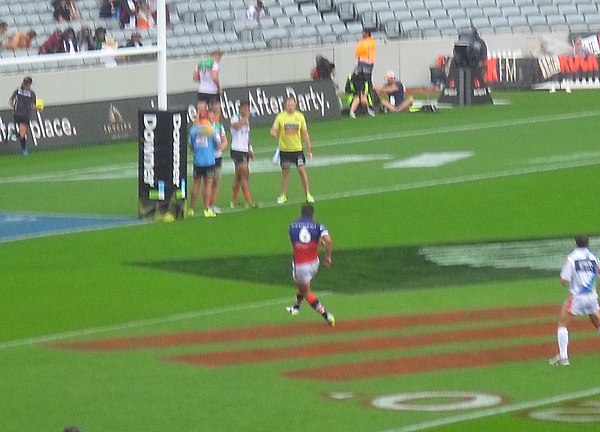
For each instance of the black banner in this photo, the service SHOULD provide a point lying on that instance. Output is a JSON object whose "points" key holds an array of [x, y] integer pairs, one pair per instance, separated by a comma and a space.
{"points": [[101, 122], [162, 164]]}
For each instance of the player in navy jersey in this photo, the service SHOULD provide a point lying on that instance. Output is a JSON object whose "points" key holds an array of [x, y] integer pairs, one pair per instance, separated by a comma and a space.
{"points": [[22, 101], [306, 235]]}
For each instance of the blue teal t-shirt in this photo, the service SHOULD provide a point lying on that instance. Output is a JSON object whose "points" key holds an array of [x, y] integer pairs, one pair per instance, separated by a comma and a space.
{"points": [[203, 147]]}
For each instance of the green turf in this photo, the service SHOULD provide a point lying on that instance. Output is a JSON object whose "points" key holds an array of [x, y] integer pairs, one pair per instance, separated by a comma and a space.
{"points": [[530, 179]]}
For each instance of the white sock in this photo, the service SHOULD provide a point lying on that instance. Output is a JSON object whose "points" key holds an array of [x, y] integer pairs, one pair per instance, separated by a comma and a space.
{"points": [[562, 335]]}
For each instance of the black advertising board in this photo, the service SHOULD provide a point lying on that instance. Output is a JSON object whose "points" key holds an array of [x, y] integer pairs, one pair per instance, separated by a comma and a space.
{"points": [[100, 122], [162, 164], [465, 86]]}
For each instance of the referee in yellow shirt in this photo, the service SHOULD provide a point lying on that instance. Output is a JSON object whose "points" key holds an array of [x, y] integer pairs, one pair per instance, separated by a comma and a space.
{"points": [[290, 128]]}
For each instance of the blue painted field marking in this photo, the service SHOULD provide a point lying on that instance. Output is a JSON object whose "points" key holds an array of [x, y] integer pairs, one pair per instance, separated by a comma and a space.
{"points": [[18, 226]]}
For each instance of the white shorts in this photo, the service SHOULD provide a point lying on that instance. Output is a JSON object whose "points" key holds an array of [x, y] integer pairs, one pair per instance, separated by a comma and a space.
{"points": [[304, 273], [584, 304]]}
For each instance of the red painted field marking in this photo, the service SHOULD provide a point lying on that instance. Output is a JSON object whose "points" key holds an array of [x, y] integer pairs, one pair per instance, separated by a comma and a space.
{"points": [[294, 329], [437, 362], [237, 357]]}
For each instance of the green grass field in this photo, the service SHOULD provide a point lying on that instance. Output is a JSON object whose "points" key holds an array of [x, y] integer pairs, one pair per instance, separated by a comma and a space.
{"points": [[484, 230]]}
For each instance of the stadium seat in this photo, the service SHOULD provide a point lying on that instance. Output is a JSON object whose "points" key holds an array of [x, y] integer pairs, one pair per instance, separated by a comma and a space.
{"points": [[392, 29], [380, 6], [403, 15], [355, 28], [536, 20], [299, 20], [315, 19], [511, 11], [383, 16], [331, 18], [369, 20], [415, 4], [438, 13], [567, 9], [462, 23], [587, 9], [593, 19], [346, 12], [518, 20], [574, 19], [325, 6], [554, 20], [458, 13], [420, 14]]}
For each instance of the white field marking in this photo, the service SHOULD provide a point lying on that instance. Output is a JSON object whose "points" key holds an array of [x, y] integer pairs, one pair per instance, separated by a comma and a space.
{"points": [[429, 160], [454, 180], [534, 254], [129, 171], [364, 139], [497, 411], [83, 173], [145, 323]]}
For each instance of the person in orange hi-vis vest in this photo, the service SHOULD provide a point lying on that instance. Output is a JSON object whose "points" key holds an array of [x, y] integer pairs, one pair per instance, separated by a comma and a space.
{"points": [[365, 54]]}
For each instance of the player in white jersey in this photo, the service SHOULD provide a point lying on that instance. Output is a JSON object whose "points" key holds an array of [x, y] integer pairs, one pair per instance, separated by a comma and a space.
{"points": [[241, 153], [207, 75], [579, 274]]}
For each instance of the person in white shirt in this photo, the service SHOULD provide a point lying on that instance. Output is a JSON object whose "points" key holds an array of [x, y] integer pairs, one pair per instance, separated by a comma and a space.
{"points": [[207, 76], [241, 153], [578, 274]]}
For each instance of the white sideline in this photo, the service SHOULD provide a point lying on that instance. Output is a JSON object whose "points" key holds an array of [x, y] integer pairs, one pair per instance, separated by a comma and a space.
{"points": [[497, 411], [142, 323]]}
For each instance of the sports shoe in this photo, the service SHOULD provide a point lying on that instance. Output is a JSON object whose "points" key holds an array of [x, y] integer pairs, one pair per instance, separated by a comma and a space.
{"points": [[557, 360], [252, 205], [330, 319], [352, 115], [190, 212], [293, 310], [216, 209], [282, 199], [232, 204], [209, 213], [309, 198], [371, 112]]}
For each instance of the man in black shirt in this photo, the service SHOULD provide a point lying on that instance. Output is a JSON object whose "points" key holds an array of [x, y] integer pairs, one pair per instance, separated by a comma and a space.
{"points": [[22, 100]]}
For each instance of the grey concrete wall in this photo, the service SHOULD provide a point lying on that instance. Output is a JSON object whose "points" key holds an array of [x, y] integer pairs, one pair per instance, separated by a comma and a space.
{"points": [[410, 58]]}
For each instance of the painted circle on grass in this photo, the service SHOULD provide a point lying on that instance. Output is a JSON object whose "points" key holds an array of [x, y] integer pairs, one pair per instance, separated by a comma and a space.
{"points": [[452, 401]]}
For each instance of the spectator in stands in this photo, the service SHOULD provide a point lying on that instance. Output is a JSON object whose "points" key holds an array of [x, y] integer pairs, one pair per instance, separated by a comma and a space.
{"points": [[110, 8], [62, 12], [21, 40], [323, 69], [75, 14], [85, 40], [135, 40], [578, 48], [69, 41], [154, 11], [101, 41], [144, 18], [53, 44], [392, 95], [128, 12], [3, 35], [256, 11]]}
